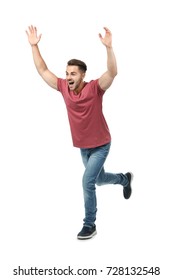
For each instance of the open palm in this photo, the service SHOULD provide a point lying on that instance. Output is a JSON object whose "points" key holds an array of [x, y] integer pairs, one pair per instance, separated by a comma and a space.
{"points": [[33, 38]]}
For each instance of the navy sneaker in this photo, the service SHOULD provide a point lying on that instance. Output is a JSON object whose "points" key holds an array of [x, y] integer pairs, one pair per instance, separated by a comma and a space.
{"points": [[87, 232], [127, 189]]}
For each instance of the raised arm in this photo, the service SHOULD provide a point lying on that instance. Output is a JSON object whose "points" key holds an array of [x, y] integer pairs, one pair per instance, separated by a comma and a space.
{"points": [[40, 64], [107, 78]]}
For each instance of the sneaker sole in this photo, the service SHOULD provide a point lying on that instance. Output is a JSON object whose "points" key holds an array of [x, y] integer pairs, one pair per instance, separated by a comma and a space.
{"points": [[87, 237], [132, 176]]}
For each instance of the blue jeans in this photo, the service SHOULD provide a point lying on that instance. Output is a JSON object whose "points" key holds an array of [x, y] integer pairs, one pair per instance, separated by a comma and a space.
{"points": [[94, 159]]}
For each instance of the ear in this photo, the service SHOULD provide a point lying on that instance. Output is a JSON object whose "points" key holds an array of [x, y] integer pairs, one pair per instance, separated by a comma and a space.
{"points": [[83, 75]]}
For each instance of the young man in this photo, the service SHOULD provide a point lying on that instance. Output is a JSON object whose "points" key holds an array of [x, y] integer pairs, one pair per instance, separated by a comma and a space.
{"points": [[89, 129]]}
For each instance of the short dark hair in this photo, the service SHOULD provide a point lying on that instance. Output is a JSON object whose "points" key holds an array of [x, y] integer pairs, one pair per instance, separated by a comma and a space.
{"points": [[75, 62]]}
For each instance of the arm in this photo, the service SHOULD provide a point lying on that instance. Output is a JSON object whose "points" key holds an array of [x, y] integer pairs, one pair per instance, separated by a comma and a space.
{"points": [[107, 78], [40, 64]]}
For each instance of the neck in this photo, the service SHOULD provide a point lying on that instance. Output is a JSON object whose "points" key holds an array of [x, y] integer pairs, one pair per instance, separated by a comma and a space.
{"points": [[78, 90]]}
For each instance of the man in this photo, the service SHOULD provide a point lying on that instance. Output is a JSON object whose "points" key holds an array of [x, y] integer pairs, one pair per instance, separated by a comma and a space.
{"points": [[89, 129]]}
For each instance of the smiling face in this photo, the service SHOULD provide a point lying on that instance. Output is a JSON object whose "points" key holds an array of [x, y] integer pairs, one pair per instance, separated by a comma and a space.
{"points": [[74, 77]]}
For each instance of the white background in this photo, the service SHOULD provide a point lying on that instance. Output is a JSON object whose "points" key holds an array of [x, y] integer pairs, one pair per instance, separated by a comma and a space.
{"points": [[41, 201]]}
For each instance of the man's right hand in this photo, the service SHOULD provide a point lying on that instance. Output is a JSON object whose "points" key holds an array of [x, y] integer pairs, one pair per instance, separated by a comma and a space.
{"points": [[33, 38]]}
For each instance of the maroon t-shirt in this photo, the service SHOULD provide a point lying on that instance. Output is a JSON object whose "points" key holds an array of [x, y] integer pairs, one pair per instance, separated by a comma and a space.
{"points": [[87, 123]]}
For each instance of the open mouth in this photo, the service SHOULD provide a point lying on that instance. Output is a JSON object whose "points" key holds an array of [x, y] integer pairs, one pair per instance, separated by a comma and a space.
{"points": [[70, 83]]}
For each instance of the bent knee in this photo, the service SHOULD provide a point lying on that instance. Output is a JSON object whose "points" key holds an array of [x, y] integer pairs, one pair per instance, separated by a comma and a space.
{"points": [[99, 182]]}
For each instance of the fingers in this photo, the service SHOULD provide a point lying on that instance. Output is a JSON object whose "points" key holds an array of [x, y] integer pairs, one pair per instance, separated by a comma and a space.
{"points": [[107, 30], [32, 29]]}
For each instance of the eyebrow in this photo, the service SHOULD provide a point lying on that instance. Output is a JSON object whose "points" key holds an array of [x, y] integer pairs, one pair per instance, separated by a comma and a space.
{"points": [[71, 72]]}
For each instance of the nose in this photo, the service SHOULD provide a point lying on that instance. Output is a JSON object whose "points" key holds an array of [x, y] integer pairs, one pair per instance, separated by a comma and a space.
{"points": [[68, 77]]}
